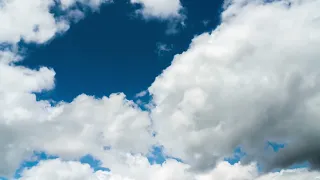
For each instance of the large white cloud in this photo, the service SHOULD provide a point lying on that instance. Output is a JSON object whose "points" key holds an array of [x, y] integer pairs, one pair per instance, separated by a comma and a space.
{"points": [[69, 130], [255, 78]]}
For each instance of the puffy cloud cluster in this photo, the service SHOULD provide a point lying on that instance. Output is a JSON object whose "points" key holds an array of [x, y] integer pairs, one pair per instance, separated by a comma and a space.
{"points": [[138, 168], [69, 130], [253, 79]]}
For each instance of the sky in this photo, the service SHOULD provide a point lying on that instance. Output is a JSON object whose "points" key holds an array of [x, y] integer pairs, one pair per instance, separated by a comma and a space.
{"points": [[159, 89], [110, 60]]}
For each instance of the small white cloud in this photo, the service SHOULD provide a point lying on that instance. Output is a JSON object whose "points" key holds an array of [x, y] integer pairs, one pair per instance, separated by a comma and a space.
{"points": [[141, 94], [163, 9], [205, 22], [162, 48], [94, 4], [174, 26]]}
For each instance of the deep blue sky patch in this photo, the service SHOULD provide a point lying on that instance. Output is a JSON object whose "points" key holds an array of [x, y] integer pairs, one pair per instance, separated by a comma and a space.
{"points": [[114, 51]]}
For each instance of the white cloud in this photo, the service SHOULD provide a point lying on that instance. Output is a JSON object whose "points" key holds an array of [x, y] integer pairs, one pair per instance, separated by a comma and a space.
{"points": [[138, 169], [293, 174], [34, 22], [135, 168], [226, 171], [162, 48], [85, 126], [255, 78], [59, 170], [162, 9], [141, 94], [94, 4], [19, 19]]}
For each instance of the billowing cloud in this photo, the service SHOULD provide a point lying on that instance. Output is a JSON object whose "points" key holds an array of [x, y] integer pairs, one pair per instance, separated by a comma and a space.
{"points": [[254, 79], [70, 130]]}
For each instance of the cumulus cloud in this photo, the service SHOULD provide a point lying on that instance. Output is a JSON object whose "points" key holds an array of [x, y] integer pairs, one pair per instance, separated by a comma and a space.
{"points": [[35, 22], [254, 79], [136, 168], [70, 130], [139, 169], [31, 21], [85, 126], [59, 170]]}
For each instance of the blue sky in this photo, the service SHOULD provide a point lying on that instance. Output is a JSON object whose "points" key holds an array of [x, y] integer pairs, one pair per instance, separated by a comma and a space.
{"points": [[225, 89], [114, 51]]}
